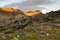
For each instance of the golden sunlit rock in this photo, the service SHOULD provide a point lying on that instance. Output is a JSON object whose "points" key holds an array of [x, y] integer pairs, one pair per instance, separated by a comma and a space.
{"points": [[30, 13], [8, 9]]}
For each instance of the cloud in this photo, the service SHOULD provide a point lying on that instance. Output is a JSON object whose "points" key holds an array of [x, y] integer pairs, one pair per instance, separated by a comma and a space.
{"points": [[31, 2], [8, 2], [43, 5], [41, 1]]}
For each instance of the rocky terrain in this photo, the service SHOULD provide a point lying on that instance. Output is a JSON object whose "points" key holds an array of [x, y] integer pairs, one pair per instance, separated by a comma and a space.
{"points": [[15, 25]]}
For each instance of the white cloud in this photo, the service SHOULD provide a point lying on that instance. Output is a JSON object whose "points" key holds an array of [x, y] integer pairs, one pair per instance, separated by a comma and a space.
{"points": [[7, 2], [51, 7], [26, 5]]}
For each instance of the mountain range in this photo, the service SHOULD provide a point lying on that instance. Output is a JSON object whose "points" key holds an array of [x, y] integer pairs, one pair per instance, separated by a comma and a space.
{"points": [[15, 18]]}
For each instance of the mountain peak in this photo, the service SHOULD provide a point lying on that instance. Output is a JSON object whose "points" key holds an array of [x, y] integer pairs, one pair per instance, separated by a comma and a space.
{"points": [[32, 13], [29, 13], [8, 9]]}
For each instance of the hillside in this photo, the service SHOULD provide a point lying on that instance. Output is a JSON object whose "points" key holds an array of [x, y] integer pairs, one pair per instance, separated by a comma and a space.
{"points": [[13, 21]]}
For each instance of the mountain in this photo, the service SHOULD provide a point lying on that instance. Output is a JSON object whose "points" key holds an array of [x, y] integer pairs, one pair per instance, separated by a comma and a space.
{"points": [[6, 15], [14, 21], [54, 16], [15, 18]]}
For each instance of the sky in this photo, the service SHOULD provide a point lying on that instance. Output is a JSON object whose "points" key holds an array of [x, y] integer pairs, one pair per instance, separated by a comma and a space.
{"points": [[32, 5]]}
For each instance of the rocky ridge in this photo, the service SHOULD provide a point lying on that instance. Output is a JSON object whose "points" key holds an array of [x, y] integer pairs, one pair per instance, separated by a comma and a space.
{"points": [[20, 20]]}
